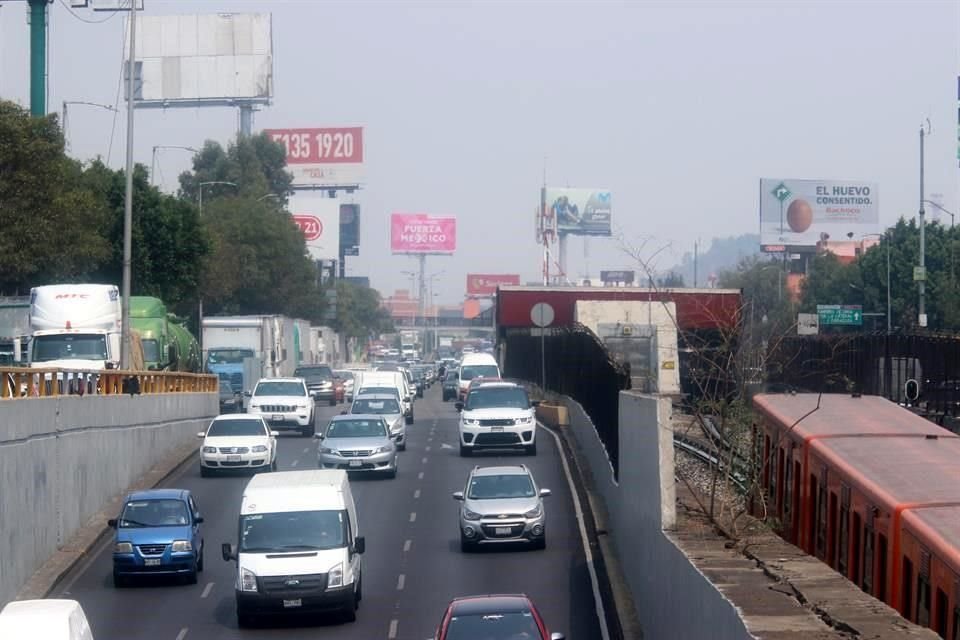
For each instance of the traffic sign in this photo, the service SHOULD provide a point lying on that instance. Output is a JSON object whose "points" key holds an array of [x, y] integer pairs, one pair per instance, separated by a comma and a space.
{"points": [[781, 192], [837, 314], [919, 274], [542, 314]]}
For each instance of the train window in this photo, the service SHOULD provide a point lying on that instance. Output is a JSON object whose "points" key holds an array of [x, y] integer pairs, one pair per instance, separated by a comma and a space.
{"points": [[882, 571], [923, 601], [787, 495], [821, 546], [855, 552], [956, 623], [843, 552], [778, 491], [833, 531], [942, 606], [906, 597], [767, 479], [867, 583]]}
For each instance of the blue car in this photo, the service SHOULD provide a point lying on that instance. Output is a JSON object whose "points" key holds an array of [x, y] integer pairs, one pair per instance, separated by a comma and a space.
{"points": [[158, 533]]}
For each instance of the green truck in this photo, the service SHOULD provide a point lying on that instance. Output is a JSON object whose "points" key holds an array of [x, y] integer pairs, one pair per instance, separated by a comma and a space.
{"points": [[167, 345]]}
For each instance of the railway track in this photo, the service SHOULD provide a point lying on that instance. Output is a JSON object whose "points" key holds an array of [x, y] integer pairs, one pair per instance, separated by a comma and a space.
{"points": [[714, 456]]}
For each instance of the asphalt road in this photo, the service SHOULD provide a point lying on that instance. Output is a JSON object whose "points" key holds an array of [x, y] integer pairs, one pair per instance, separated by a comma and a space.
{"points": [[412, 566]]}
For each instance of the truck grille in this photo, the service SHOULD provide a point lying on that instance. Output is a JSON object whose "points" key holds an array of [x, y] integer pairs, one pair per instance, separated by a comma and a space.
{"points": [[151, 549], [278, 408], [236, 381], [234, 449], [497, 422], [293, 584]]}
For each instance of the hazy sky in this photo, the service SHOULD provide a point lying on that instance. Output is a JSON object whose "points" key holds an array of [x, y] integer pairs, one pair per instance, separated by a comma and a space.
{"points": [[677, 107]]}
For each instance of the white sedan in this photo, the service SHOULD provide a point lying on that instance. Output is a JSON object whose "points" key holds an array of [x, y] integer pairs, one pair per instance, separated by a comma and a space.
{"points": [[237, 441]]}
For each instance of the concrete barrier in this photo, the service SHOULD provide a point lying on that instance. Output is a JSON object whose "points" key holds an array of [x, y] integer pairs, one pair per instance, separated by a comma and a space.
{"points": [[63, 458]]}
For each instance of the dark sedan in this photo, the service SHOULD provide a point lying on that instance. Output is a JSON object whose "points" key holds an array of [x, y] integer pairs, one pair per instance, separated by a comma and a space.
{"points": [[450, 382]]}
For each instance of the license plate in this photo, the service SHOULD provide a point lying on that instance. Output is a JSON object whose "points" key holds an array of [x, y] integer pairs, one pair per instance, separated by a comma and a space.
{"points": [[497, 429], [502, 531], [276, 417], [287, 604], [233, 458], [356, 463], [151, 562]]}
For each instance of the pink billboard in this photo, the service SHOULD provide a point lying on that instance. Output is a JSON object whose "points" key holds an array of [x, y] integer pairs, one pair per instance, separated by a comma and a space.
{"points": [[421, 233]]}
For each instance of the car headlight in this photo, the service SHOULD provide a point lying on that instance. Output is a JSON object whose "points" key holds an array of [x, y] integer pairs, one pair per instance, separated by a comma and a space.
{"points": [[248, 580], [180, 546], [526, 420], [123, 547], [383, 449], [260, 448], [335, 576], [470, 515], [536, 512], [471, 421], [330, 451], [209, 449]]}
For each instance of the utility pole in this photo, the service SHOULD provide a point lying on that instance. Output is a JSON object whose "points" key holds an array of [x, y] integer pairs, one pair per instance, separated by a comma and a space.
{"points": [[128, 201], [696, 255], [921, 283], [38, 58]]}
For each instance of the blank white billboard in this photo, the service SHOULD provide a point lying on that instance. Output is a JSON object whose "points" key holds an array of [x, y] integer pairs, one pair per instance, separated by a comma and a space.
{"points": [[186, 58]]}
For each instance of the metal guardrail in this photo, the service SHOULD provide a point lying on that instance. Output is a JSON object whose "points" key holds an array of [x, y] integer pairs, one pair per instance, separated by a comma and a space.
{"points": [[25, 383]]}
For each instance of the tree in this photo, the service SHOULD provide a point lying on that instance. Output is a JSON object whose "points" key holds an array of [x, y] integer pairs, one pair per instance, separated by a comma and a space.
{"points": [[360, 313], [52, 225], [672, 280], [257, 165]]}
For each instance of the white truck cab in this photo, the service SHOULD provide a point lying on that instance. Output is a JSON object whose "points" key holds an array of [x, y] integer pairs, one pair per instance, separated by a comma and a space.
{"points": [[75, 326], [46, 619], [299, 548]]}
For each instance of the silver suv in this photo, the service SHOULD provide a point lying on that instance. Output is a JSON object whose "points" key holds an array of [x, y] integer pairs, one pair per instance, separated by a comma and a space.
{"points": [[500, 505]]}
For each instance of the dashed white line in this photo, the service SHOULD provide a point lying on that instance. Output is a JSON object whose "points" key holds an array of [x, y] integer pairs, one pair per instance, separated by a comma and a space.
{"points": [[406, 545], [294, 463], [420, 476], [430, 439], [401, 580], [206, 590], [393, 630], [413, 516], [182, 634], [423, 460], [416, 494], [307, 450], [428, 448]]}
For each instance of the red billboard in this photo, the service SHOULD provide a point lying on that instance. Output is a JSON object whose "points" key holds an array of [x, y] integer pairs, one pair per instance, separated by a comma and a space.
{"points": [[421, 233], [485, 284], [330, 157]]}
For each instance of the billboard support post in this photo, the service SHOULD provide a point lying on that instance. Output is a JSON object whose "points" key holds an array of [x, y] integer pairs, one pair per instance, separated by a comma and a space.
{"points": [[922, 320], [246, 119], [562, 257]]}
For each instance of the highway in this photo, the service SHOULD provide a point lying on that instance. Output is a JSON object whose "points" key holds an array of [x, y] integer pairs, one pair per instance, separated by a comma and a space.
{"points": [[412, 566]]}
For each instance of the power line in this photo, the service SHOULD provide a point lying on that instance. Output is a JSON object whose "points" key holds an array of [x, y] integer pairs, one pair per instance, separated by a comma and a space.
{"points": [[116, 100]]}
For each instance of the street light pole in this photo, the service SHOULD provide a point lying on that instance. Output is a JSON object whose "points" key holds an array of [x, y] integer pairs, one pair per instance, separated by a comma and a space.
{"points": [[128, 203], [922, 319], [65, 120], [157, 147]]}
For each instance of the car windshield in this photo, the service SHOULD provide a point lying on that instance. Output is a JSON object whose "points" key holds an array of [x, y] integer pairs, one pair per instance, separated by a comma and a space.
{"points": [[392, 391], [513, 485], [153, 513], [451, 376], [292, 531], [379, 406], [151, 350], [280, 389], [479, 370], [240, 427], [356, 429], [489, 397], [344, 375], [228, 356], [226, 391], [512, 625], [314, 373], [74, 346]]}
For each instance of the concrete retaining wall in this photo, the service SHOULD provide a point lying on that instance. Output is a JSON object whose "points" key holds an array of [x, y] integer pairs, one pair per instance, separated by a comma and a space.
{"points": [[673, 599], [62, 459]]}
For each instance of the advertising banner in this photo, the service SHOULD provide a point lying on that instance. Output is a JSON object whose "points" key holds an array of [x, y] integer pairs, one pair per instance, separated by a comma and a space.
{"points": [[421, 233], [331, 157], [349, 230], [581, 212], [319, 220], [617, 277], [801, 213], [485, 284]]}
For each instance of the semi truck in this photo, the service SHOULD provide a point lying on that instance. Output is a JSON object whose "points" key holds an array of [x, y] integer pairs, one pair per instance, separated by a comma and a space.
{"points": [[242, 349], [167, 345], [75, 326], [14, 329], [409, 345]]}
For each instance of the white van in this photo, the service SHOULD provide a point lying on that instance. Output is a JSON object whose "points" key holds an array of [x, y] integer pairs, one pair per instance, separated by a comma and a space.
{"points": [[475, 365], [393, 379], [46, 619], [299, 547]]}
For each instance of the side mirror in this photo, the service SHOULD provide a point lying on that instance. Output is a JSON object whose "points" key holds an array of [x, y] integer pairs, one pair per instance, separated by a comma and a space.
{"points": [[360, 544], [318, 436], [344, 412], [227, 551], [109, 365], [112, 523], [458, 495], [198, 520], [557, 636], [535, 403], [201, 435], [274, 434], [247, 394], [545, 492], [459, 406]]}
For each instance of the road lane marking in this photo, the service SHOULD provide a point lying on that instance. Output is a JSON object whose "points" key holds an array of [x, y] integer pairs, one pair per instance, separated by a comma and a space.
{"points": [[428, 448], [294, 463], [413, 516], [406, 545], [392, 634], [182, 634], [420, 476], [444, 445], [401, 580], [416, 494], [424, 460], [430, 439], [594, 582], [307, 450], [206, 590]]}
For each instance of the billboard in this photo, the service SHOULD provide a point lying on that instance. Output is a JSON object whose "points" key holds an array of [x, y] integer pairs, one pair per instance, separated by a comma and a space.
{"points": [[203, 59], [581, 212], [349, 230], [485, 284], [801, 213], [623, 276], [421, 233], [319, 220], [331, 157]]}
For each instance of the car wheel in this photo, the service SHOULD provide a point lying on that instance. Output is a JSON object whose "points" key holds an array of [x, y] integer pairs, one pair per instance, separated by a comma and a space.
{"points": [[465, 545], [465, 452], [244, 619], [273, 465], [350, 612], [191, 577], [205, 472], [408, 419], [200, 559], [402, 447], [531, 450], [540, 544], [307, 431], [359, 589], [119, 582]]}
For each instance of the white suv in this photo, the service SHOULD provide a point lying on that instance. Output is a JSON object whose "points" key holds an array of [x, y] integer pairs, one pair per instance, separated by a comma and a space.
{"points": [[497, 415], [284, 403]]}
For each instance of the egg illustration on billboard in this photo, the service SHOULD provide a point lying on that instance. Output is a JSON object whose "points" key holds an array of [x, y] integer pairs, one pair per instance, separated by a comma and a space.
{"points": [[799, 216]]}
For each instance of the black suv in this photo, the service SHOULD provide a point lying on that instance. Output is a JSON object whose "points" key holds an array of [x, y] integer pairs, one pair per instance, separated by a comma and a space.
{"points": [[319, 379]]}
